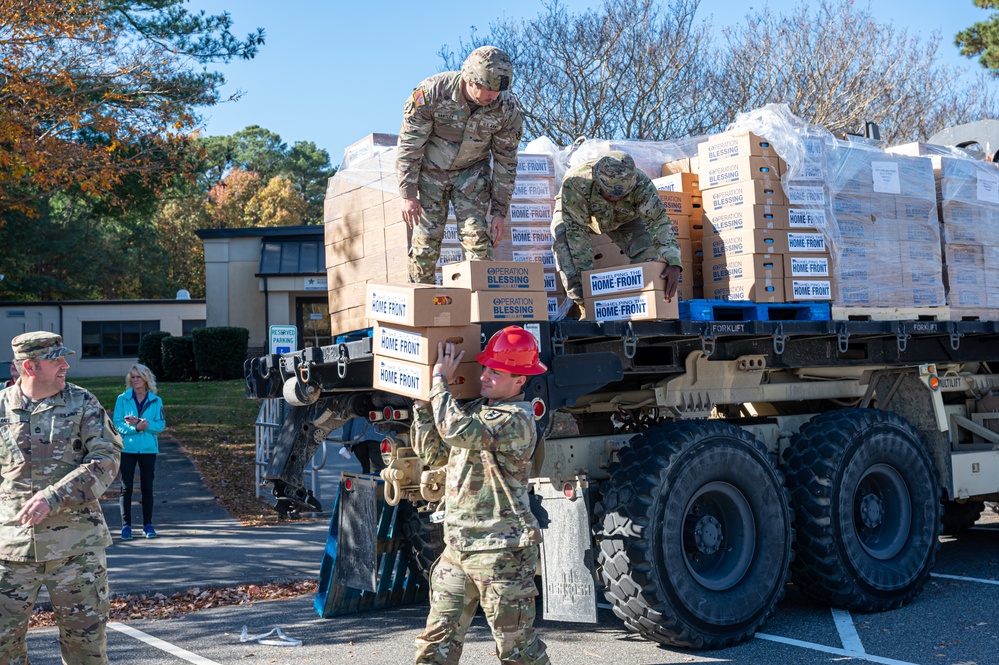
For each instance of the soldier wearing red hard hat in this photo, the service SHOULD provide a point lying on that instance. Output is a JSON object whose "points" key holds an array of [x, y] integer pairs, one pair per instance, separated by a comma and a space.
{"points": [[490, 534]]}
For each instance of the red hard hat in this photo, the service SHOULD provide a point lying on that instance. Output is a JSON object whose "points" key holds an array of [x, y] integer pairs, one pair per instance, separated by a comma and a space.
{"points": [[512, 350]]}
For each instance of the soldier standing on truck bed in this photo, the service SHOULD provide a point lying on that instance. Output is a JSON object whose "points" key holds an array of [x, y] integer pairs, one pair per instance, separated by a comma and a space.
{"points": [[491, 537], [452, 123], [610, 195]]}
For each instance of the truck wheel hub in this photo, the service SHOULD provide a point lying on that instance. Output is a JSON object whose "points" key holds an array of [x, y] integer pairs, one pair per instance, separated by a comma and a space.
{"points": [[871, 511], [708, 535]]}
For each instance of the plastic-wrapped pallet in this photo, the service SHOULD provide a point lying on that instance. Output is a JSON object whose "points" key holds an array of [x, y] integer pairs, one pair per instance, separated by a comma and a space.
{"points": [[968, 202], [877, 211]]}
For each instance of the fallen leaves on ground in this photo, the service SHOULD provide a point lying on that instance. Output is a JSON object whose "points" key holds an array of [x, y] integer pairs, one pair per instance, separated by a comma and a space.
{"points": [[160, 606]]}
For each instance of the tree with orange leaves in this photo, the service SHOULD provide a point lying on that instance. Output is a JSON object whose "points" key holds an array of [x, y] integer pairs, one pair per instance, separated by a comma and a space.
{"points": [[94, 93]]}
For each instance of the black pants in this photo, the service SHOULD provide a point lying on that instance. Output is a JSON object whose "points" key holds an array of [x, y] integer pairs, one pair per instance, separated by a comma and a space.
{"points": [[369, 454], [146, 462]]}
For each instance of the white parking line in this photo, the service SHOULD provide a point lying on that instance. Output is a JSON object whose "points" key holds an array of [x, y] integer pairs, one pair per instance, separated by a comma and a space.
{"points": [[161, 645], [848, 634], [964, 579], [833, 650]]}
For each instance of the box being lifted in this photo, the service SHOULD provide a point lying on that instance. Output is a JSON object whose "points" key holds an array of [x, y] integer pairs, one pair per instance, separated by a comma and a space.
{"points": [[644, 305], [418, 305], [419, 345], [635, 277], [414, 380], [495, 275]]}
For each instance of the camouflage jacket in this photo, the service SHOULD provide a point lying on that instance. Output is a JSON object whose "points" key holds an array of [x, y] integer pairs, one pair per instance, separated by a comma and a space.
{"points": [[67, 448], [583, 206], [488, 453], [440, 130]]}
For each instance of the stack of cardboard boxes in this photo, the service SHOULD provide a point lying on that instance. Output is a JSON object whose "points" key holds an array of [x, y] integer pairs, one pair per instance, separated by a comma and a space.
{"points": [[501, 290], [368, 242], [746, 236], [680, 193], [627, 293], [409, 321]]}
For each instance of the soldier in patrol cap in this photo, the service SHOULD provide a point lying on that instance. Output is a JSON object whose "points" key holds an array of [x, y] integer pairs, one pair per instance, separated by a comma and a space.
{"points": [[452, 124], [491, 536], [610, 195], [58, 453]]}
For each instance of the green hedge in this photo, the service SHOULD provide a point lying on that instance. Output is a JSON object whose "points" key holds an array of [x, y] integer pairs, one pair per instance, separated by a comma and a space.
{"points": [[178, 359], [151, 351], [219, 352]]}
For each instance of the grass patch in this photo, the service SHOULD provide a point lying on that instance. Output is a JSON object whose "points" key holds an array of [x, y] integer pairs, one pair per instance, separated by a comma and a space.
{"points": [[213, 420]]}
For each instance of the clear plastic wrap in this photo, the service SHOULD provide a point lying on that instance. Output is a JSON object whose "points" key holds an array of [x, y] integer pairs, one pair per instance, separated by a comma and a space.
{"points": [[877, 210]]}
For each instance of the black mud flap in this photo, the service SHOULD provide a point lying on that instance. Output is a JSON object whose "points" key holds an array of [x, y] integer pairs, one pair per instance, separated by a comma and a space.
{"points": [[569, 588], [357, 527]]}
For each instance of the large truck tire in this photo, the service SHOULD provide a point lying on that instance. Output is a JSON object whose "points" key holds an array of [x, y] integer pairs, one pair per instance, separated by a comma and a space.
{"points": [[958, 517], [424, 539], [866, 507], [694, 534]]}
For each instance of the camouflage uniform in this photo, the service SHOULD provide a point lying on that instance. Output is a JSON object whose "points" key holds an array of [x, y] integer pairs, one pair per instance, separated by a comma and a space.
{"points": [[65, 447], [491, 536], [638, 224], [444, 149]]}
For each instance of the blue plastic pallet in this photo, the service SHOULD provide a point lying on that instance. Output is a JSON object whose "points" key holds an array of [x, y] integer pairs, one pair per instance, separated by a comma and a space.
{"points": [[745, 310], [353, 336]]}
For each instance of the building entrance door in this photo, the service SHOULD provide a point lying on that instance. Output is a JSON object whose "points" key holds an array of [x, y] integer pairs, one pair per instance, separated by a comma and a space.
{"points": [[312, 316]]}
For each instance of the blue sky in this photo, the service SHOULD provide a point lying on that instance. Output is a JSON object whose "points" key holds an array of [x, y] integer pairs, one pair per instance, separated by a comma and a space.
{"points": [[333, 71]]}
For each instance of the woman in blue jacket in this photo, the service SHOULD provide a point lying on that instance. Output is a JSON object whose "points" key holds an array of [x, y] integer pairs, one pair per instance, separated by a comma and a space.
{"points": [[138, 416]]}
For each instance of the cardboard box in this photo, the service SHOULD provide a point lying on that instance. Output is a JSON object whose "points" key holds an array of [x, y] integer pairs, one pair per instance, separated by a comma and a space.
{"points": [[804, 289], [533, 188], [750, 241], [738, 169], [806, 218], [677, 182], [746, 266], [610, 257], [807, 265], [368, 146], [757, 290], [414, 380], [744, 218], [530, 212], [635, 277], [727, 146], [419, 345], [802, 195], [641, 306], [418, 305], [545, 257], [509, 306], [805, 241], [529, 164], [752, 192], [682, 165], [494, 275], [553, 283], [676, 203]]}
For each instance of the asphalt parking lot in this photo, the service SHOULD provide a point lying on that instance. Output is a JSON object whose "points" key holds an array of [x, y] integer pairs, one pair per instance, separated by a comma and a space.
{"points": [[955, 621]]}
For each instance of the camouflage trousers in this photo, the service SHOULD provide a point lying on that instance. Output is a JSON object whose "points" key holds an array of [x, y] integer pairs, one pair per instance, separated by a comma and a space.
{"points": [[503, 582], [573, 248], [78, 589], [469, 190]]}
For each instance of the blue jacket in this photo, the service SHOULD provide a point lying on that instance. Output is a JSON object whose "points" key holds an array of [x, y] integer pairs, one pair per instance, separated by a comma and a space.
{"points": [[135, 441]]}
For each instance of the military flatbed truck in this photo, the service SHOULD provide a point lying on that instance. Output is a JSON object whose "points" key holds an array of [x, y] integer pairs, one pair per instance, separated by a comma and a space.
{"points": [[692, 468]]}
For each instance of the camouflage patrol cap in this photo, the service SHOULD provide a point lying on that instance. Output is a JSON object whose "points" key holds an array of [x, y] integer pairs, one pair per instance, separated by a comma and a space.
{"points": [[615, 173], [488, 66], [39, 345]]}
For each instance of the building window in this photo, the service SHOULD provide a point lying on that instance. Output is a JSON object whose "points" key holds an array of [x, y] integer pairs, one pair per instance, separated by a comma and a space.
{"points": [[189, 325], [114, 339]]}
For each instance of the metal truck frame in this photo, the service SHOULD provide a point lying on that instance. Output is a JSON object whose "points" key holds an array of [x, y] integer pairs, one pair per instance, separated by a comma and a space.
{"points": [[691, 468]]}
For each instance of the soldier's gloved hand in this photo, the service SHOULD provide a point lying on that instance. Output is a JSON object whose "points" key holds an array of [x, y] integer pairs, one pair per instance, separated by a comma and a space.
{"points": [[672, 276], [411, 211], [495, 229]]}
